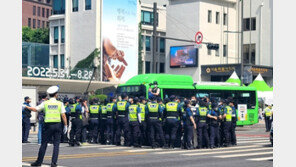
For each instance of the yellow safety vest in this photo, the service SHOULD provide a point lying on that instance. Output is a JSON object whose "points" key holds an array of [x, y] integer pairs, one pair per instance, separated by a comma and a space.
{"points": [[94, 109], [267, 111], [52, 110], [132, 112], [228, 113], [121, 105], [142, 113], [203, 113], [153, 110]]}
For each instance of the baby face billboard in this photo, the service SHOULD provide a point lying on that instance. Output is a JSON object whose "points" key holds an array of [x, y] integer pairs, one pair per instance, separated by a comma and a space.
{"points": [[119, 39]]}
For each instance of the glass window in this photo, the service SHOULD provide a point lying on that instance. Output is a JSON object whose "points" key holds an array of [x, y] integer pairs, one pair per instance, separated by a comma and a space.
{"points": [[162, 45], [209, 16], [38, 24], [161, 68], [47, 24], [48, 1], [253, 54], [147, 18], [225, 19], [34, 10], [217, 17], [246, 24], [148, 42], [43, 12], [62, 34], [62, 56], [253, 20], [209, 52], [58, 7], [38, 11], [74, 5], [246, 53], [87, 4], [183, 93], [34, 23], [147, 67], [56, 34], [47, 13], [29, 22], [55, 61], [224, 50], [247, 50], [43, 24], [217, 52]]}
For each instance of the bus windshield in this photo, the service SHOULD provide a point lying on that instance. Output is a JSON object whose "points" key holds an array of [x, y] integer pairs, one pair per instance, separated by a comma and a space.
{"points": [[132, 90]]}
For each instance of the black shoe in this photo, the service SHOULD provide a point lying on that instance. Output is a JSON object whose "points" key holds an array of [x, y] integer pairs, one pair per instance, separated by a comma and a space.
{"points": [[26, 142], [53, 165], [35, 164]]}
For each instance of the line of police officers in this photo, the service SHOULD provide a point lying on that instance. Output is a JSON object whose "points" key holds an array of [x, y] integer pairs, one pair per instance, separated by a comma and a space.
{"points": [[169, 123]]}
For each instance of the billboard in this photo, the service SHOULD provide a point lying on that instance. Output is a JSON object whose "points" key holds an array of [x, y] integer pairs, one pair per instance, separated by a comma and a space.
{"points": [[119, 39], [183, 56]]}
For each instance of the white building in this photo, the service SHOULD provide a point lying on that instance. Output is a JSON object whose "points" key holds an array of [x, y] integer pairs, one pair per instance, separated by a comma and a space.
{"points": [[219, 21]]}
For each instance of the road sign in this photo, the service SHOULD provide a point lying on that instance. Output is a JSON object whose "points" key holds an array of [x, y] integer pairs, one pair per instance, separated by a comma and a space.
{"points": [[198, 37]]}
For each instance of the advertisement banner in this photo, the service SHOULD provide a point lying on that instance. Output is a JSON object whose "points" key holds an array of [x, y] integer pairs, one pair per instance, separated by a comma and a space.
{"points": [[119, 39], [242, 112], [183, 56]]}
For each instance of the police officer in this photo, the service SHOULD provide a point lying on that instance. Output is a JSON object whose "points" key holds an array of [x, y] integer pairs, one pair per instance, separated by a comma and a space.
{"points": [[122, 119], [228, 123], [134, 118], [153, 115], [233, 123], [267, 117], [26, 115], [94, 120], [143, 123], [76, 121], [110, 123], [221, 121], [202, 126], [85, 123], [189, 124], [64, 137], [172, 115], [102, 127], [54, 110], [214, 126]]}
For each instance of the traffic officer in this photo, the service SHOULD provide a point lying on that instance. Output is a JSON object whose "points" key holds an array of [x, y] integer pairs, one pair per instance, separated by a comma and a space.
{"points": [[94, 120], [103, 122], [122, 119], [110, 108], [189, 124], [143, 123], [228, 123], [153, 114], [214, 126], [172, 115], [267, 117], [54, 110], [134, 118], [233, 123], [76, 123], [26, 115], [202, 126]]}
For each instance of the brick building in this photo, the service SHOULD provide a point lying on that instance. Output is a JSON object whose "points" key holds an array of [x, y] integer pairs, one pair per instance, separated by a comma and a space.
{"points": [[36, 13]]}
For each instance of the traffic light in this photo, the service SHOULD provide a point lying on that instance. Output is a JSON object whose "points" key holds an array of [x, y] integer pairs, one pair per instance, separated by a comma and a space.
{"points": [[212, 46]]}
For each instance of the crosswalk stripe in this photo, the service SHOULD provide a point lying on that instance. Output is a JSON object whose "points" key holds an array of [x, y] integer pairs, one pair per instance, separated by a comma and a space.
{"points": [[251, 139], [243, 155], [258, 141], [261, 159], [27, 164], [206, 150], [229, 151]]}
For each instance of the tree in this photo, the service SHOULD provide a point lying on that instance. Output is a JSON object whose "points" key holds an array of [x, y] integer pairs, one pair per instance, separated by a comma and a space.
{"points": [[39, 35], [27, 34], [88, 61]]}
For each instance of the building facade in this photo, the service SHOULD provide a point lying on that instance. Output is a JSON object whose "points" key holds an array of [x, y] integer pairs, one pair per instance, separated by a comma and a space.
{"points": [[220, 23], [35, 13]]}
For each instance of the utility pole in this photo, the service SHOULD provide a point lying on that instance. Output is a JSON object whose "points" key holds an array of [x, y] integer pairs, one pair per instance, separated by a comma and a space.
{"points": [[242, 41], [154, 37]]}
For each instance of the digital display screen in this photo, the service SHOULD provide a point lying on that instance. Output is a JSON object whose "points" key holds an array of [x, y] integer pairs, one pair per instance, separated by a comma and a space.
{"points": [[183, 56]]}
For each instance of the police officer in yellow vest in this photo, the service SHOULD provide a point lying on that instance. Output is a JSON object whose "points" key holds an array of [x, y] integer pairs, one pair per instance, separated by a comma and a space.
{"points": [[153, 113], [228, 122], [143, 124], [267, 117], [172, 115], [122, 119], [76, 123], [103, 122], [134, 118], [202, 126], [54, 113], [110, 109], [94, 120]]}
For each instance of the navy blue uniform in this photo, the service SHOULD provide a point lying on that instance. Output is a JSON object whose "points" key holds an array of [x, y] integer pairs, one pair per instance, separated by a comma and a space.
{"points": [[122, 122], [233, 126], [110, 124], [26, 125], [214, 129], [202, 127], [76, 125], [188, 127]]}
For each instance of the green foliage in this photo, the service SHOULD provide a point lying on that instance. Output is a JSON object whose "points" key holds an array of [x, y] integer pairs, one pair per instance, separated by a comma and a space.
{"points": [[88, 61], [101, 97], [39, 35]]}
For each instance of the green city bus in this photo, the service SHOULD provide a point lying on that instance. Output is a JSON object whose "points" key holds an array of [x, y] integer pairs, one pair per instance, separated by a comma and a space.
{"points": [[183, 86]]}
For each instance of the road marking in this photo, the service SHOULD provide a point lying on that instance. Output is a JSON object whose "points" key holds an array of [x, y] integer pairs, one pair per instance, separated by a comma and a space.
{"points": [[256, 141], [205, 150], [90, 155], [116, 148], [229, 151], [261, 159], [251, 139], [244, 155]]}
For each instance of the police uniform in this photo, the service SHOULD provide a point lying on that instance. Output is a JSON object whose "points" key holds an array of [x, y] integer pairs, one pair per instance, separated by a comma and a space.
{"points": [[53, 110], [134, 127], [26, 125], [153, 114], [267, 117], [233, 126], [221, 125], [94, 122], [76, 120], [227, 124], [202, 126], [214, 129], [172, 114], [110, 114], [122, 120], [188, 128], [143, 126]]}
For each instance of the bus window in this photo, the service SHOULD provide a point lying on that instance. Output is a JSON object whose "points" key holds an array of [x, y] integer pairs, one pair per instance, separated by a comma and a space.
{"points": [[183, 93], [201, 95]]}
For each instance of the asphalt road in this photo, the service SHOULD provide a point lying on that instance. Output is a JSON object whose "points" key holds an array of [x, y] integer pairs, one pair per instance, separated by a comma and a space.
{"points": [[253, 150]]}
